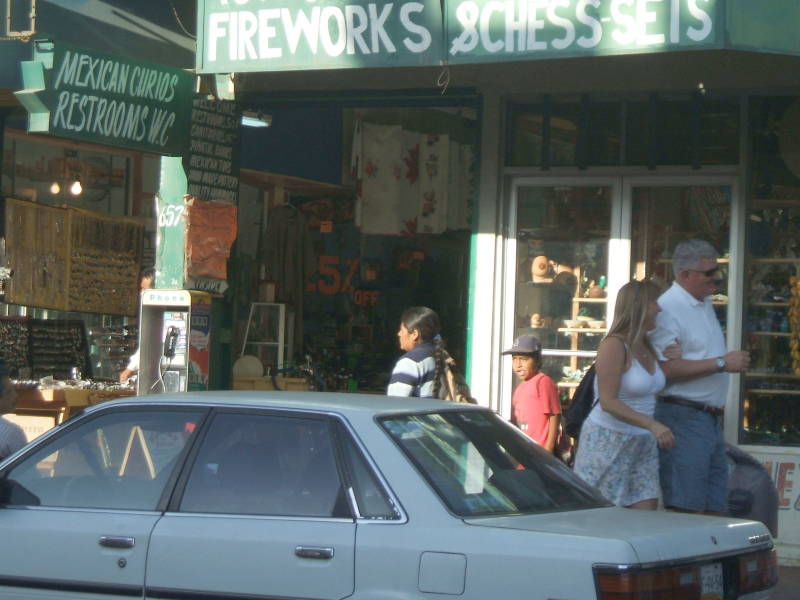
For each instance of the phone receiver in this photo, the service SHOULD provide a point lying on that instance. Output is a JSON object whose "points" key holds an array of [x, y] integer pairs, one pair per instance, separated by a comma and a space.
{"points": [[171, 341]]}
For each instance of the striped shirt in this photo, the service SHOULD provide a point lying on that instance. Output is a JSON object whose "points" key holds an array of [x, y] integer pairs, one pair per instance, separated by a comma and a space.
{"points": [[12, 438], [413, 373]]}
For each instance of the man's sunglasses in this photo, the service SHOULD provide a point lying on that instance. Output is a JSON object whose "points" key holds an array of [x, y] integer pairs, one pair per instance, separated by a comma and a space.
{"points": [[707, 272]]}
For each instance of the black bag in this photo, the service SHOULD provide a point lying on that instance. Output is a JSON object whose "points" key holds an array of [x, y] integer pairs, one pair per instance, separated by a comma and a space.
{"points": [[583, 401]]}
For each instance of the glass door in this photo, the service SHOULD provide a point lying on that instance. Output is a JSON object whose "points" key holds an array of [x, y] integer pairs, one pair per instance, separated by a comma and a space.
{"points": [[574, 242], [563, 233], [663, 215]]}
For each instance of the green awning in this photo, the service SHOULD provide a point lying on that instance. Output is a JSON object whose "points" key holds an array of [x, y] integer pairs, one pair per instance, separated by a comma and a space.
{"points": [[251, 36]]}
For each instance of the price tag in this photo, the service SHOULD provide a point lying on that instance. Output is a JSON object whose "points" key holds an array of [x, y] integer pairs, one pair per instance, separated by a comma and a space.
{"points": [[711, 586]]}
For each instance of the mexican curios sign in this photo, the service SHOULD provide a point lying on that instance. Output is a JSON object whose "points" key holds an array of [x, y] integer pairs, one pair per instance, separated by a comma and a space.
{"points": [[84, 95], [261, 35]]}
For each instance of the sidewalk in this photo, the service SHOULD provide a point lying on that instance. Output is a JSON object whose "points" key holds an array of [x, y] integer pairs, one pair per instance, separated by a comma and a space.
{"points": [[788, 587]]}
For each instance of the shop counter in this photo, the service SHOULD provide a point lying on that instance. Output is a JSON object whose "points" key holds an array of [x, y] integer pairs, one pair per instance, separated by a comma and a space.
{"points": [[39, 410]]}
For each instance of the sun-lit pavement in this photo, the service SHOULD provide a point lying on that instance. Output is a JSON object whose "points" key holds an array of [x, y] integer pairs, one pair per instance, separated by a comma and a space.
{"points": [[788, 587]]}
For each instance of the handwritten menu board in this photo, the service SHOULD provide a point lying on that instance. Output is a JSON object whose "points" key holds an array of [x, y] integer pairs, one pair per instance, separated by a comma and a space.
{"points": [[212, 165]]}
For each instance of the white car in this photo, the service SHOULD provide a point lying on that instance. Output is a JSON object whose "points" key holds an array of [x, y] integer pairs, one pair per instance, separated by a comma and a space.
{"points": [[292, 495]]}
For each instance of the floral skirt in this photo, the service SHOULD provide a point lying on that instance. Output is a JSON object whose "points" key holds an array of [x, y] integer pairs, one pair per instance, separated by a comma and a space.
{"points": [[622, 466]]}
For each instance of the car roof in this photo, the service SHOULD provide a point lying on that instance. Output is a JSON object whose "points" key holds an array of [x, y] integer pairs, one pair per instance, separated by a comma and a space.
{"points": [[342, 403]]}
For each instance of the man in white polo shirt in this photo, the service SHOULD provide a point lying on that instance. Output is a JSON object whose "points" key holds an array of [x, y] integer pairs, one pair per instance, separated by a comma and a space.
{"points": [[694, 473]]}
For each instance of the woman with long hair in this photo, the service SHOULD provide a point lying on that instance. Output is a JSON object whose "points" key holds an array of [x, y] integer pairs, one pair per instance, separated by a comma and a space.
{"points": [[419, 371], [619, 441]]}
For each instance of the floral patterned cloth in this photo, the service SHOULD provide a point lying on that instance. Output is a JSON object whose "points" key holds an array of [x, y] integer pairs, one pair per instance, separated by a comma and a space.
{"points": [[622, 466], [409, 182]]}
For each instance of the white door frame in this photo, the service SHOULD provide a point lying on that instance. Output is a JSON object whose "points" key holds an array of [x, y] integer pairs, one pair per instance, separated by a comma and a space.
{"points": [[619, 256]]}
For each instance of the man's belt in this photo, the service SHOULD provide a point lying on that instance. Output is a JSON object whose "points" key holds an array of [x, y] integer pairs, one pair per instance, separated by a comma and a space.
{"points": [[701, 406]]}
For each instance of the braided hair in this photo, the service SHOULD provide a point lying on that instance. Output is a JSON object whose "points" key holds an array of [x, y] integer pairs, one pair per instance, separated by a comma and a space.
{"points": [[426, 322]]}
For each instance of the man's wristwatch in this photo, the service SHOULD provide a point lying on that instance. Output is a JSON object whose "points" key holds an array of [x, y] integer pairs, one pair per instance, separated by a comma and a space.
{"points": [[720, 362]]}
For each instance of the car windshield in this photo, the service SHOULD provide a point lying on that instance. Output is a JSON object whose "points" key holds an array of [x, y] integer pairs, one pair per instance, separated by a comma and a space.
{"points": [[480, 466]]}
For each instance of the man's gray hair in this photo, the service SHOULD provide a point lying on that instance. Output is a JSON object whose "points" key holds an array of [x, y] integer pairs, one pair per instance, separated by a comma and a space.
{"points": [[690, 252]]}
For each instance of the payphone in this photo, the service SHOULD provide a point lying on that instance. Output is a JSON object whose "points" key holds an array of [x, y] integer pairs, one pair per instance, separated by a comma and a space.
{"points": [[174, 341]]}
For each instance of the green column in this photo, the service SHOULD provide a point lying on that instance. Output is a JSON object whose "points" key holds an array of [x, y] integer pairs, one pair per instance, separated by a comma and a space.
{"points": [[171, 243]]}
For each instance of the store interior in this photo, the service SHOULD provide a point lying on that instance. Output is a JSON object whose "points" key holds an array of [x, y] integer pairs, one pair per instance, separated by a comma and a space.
{"points": [[384, 197], [376, 203]]}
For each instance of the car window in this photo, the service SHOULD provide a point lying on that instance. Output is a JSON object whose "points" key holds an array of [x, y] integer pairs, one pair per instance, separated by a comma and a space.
{"points": [[266, 465], [120, 460], [479, 465], [371, 497]]}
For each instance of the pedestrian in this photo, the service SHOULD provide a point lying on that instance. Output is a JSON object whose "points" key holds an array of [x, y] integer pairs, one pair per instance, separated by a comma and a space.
{"points": [[535, 407], [12, 437], [146, 282], [419, 371], [694, 474], [619, 441]]}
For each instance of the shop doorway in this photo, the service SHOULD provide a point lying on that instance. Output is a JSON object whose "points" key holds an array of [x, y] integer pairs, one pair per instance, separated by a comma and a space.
{"points": [[573, 242]]}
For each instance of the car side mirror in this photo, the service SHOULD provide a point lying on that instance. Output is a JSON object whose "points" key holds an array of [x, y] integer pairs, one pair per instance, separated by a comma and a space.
{"points": [[13, 493]]}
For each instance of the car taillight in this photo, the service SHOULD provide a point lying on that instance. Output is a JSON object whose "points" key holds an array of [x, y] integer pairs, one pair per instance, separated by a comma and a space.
{"points": [[758, 571], [658, 584]]}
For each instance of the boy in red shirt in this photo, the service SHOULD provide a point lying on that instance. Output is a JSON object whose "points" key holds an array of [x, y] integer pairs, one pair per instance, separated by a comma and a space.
{"points": [[535, 407]]}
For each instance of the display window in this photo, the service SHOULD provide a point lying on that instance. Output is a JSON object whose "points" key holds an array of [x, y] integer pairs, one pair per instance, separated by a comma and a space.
{"points": [[771, 388], [663, 215], [83, 309], [593, 130], [63, 173], [346, 260], [577, 241]]}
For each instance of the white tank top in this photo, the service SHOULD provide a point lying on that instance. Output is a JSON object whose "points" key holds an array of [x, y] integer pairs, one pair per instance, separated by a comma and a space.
{"points": [[638, 390]]}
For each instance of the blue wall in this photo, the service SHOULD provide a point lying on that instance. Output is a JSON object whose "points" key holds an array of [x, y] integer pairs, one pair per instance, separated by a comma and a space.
{"points": [[302, 142]]}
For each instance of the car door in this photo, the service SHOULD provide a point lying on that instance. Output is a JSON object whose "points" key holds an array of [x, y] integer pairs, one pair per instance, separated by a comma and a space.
{"points": [[263, 513], [78, 509]]}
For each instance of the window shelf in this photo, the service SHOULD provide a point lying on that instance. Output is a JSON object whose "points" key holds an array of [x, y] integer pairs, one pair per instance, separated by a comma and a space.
{"points": [[721, 260], [775, 261], [770, 304], [772, 392], [568, 384], [768, 375], [770, 333]]}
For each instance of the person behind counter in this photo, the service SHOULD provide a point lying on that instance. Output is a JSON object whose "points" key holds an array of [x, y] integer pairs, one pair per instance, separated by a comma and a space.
{"points": [[146, 282], [12, 438]]}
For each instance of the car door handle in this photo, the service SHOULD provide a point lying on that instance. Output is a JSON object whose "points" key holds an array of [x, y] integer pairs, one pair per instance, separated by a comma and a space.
{"points": [[314, 552], [116, 541]]}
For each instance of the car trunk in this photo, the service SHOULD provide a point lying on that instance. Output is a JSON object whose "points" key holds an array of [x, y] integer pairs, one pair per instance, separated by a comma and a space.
{"points": [[654, 535]]}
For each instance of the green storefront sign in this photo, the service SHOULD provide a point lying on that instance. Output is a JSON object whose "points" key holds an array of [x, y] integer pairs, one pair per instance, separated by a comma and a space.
{"points": [[254, 35], [243, 35], [481, 30], [84, 95], [250, 35]]}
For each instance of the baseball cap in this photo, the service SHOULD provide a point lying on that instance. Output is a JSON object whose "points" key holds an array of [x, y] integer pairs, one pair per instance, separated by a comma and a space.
{"points": [[525, 344]]}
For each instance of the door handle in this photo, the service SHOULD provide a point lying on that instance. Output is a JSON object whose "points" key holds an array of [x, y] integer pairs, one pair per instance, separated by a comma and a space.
{"points": [[116, 541], [314, 552]]}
